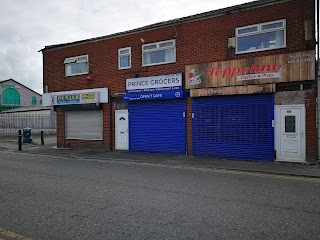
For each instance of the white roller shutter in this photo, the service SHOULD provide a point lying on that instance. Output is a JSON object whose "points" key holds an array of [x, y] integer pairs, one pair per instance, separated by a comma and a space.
{"points": [[84, 125]]}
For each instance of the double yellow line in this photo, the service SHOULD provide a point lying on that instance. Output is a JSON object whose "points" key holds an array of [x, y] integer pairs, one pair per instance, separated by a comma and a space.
{"points": [[12, 235]]}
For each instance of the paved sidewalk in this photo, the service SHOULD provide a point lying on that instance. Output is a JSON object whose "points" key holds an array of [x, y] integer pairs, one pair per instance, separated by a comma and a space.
{"points": [[49, 148]]}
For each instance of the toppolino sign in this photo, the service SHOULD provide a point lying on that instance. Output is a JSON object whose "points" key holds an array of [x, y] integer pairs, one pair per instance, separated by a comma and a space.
{"points": [[154, 83], [259, 70], [154, 87]]}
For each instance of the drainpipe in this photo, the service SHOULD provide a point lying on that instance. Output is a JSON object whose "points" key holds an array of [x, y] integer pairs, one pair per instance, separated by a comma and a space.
{"points": [[318, 73], [318, 104]]}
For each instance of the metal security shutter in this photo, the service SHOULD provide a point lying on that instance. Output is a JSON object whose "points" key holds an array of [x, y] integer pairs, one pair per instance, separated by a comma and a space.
{"points": [[236, 127], [84, 125], [157, 126]]}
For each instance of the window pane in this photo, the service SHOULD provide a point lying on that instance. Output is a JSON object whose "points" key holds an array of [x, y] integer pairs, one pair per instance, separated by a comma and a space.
{"points": [[124, 61], [150, 47], [76, 68], [290, 124], [82, 59], [124, 51], [261, 41], [247, 30], [166, 44], [272, 25], [161, 56]]}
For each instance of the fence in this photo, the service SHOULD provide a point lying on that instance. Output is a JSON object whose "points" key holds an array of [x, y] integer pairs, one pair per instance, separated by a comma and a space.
{"points": [[11, 123]]}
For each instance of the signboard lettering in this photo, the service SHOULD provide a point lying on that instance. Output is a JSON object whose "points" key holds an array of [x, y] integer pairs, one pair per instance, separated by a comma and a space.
{"points": [[154, 83], [297, 66], [153, 96]]}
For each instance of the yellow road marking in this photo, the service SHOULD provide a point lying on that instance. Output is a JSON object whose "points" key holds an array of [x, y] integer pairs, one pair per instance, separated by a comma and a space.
{"points": [[179, 167], [13, 235]]}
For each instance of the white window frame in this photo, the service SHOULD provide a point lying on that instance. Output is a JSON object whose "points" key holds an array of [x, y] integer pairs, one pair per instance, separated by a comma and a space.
{"points": [[261, 31], [158, 48], [124, 55], [75, 60]]}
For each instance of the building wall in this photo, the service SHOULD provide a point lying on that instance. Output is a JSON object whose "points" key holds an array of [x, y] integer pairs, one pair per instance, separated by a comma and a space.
{"points": [[197, 42], [25, 93]]}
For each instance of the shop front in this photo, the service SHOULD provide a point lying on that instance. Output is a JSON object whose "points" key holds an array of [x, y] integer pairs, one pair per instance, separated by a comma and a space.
{"points": [[157, 115], [240, 111], [82, 114]]}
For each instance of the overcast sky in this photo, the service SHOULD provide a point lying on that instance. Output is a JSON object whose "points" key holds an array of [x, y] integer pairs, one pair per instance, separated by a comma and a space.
{"points": [[26, 26]]}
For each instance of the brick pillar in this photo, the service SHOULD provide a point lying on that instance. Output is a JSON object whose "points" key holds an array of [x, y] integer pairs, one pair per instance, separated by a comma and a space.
{"points": [[189, 126], [311, 127]]}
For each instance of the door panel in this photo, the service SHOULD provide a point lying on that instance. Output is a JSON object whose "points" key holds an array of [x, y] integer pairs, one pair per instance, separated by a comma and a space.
{"points": [[290, 132], [122, 130]]}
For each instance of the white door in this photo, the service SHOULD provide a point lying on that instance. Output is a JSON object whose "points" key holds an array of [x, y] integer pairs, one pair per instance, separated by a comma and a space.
{"points": [[290, 133], [122, 130]]}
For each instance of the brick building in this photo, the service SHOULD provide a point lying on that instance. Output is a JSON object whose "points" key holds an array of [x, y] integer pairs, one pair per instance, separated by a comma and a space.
{"points": [[236, 83]]}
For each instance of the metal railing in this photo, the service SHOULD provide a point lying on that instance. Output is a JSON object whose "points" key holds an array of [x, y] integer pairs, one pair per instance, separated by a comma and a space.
{"points": [[11, 123]]}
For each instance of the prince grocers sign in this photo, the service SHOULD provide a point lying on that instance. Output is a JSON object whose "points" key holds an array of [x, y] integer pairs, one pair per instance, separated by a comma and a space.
{"points": [[297, 66]]}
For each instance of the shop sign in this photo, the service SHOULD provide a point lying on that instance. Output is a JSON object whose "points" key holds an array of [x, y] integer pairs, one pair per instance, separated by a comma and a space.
{"points": [[77, 98], [9, 86], [153, 95], [170, 82], [85, 96], [298, 66], [88, 97], [250, 89], [67, 99]]}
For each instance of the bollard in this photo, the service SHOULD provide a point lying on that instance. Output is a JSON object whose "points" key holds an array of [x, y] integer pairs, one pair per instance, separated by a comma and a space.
{"points": [[19, 140], [42, 138]]}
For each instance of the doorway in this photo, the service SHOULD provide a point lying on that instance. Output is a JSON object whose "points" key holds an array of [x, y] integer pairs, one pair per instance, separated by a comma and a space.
{"points": [[122, 130], [290, 133]]}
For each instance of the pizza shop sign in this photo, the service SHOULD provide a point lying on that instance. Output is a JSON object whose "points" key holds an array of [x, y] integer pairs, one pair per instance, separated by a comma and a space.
{"points": [[259, 70]]}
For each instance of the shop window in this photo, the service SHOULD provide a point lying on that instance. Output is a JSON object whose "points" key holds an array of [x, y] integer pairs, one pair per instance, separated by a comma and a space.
{"points": [[261, 37], [34, 101], [159, 53], [124, 58], [76, 65]]}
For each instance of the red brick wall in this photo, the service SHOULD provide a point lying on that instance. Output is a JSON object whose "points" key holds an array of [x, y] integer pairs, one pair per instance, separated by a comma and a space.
{"points": [[197, 42], [189, 126], [311, 127]]}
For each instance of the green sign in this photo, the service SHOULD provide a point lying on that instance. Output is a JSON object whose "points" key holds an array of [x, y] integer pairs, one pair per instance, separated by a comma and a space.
{"points": [[7, 86]]}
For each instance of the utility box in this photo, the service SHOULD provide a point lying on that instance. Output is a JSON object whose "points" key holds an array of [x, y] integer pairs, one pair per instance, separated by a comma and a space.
{"points": [[26, 135]]}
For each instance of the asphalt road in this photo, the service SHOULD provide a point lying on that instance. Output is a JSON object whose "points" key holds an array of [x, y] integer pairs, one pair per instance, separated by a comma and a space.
{"points": [[47, 197]]}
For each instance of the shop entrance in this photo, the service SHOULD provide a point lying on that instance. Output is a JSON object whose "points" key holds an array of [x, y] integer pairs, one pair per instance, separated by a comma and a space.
{"points": [[290, 133]]}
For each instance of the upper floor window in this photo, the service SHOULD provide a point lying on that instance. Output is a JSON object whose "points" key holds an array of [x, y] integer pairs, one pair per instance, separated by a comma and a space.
{"points": [[76, 65], [159, 53], [124, 58], [261, 37]]}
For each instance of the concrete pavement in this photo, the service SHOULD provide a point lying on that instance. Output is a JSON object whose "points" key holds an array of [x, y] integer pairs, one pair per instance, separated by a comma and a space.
{"points": [[49, 148]]}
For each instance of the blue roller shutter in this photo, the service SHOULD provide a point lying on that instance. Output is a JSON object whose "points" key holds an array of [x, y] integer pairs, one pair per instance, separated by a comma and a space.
{"points": [[235, 127], [157, 126]]}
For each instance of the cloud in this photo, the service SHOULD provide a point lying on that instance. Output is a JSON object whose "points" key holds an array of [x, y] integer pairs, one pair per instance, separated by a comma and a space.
{"points": [[26, 26]]}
